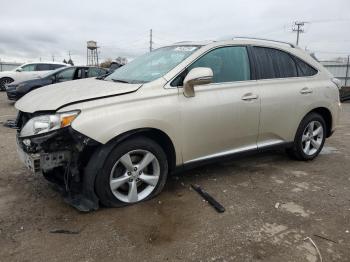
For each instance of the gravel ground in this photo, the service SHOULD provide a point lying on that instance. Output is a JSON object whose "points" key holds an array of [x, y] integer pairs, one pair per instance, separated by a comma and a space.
{"points": [[272, 204]]}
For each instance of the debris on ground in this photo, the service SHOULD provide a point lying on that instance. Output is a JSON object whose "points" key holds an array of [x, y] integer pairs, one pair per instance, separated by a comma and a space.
{"points": [[277, 205], [317, 250], [218, 207], [10, 123], [325, 238], [64, 231]]}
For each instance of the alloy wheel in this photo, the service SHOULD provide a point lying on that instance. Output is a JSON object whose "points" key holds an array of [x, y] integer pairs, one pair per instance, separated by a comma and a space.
{"points": [[312, 138], [134, 176]]}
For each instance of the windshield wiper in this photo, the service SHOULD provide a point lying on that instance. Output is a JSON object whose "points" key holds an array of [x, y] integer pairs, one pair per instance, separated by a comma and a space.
{"points": [[120, 81]]}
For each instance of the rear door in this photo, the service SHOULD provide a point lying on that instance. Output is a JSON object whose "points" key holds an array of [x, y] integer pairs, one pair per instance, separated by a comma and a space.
{"points": [[223, 117], [285, 91]]}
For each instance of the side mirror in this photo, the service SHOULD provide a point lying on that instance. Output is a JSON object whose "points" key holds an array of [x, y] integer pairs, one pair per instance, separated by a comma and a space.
{"points": [[197, 76], [19, 69]]}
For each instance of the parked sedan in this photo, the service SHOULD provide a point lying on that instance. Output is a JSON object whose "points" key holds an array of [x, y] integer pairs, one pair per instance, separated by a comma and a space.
{"points": [[27, 71], [16, 90]]}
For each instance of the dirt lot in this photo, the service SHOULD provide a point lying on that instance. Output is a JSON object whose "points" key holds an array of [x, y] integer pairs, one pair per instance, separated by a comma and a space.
{"points": [[272, 205]]}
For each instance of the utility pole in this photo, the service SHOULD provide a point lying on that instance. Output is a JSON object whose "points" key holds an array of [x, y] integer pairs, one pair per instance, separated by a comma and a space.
{"points": [[298, 27], [347, 71], [150, 41], [69, 54], [53, 58]]}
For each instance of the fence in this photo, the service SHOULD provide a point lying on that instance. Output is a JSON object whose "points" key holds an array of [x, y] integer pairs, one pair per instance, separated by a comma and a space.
{"points": [[340, 70], [7, 66]]}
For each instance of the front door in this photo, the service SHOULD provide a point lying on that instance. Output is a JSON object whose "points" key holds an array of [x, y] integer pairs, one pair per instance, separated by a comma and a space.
{"points": [[223, 117]]}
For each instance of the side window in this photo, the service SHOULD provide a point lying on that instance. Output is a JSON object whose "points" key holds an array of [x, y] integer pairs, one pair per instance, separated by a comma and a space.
{"points": [[42, 67], [65, 75], [27, 68], [53, 66], [304, 69], [229, 64], [93, 72], [273, 63]]}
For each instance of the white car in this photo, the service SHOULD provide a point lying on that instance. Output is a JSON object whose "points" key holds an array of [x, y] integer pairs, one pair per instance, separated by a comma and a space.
{"points": [[27, 71]]}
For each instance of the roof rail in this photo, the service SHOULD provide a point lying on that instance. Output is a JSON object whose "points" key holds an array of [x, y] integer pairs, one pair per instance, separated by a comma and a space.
{"points": [[263, 39]]}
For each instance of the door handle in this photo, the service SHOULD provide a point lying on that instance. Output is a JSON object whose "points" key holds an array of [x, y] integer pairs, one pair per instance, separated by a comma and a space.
{"points": [[249, 97], [305, 91]]}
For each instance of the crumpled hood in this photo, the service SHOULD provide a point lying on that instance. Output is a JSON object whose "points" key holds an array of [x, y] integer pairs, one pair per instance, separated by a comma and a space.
{"points": [[52, 97]]}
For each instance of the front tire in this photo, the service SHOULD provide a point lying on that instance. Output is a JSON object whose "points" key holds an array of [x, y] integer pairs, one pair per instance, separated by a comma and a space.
{"points": [[4, 81], [309, 139], [135, 170]]}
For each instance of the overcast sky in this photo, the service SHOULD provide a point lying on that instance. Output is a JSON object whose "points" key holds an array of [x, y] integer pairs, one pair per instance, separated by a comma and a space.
{"points": [[34, 29]]}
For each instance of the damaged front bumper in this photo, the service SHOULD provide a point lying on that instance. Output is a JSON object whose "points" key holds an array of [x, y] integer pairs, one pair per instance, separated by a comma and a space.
{"points": [[61, 157]]}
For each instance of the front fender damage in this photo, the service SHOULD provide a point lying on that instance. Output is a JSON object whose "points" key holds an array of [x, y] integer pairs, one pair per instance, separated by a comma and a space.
{"points": [[69, 161]]}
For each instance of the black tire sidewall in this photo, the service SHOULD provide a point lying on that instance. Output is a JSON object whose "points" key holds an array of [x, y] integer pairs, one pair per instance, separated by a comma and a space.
{"points": [[298, 138], [102, 187]]}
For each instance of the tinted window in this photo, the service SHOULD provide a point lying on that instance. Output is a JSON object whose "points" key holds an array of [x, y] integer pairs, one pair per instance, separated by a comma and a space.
{"points": [[228, 64], [43, 67], [273, 63], [53, 66], [304, 69], [65, 75], [30, 67]]}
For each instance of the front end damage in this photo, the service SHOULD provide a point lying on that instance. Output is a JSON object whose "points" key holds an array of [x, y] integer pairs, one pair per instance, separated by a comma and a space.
{"points": [[62, 156]]}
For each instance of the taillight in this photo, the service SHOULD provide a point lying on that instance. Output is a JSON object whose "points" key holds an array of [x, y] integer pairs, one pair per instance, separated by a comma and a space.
{"points": [[337, 82]]}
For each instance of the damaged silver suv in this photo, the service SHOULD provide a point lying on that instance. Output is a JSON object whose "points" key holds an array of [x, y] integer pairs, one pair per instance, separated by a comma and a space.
{"points": [[114, 140]]}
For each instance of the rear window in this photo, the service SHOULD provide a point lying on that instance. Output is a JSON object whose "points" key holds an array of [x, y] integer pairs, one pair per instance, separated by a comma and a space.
{"points": [[273, 63]]}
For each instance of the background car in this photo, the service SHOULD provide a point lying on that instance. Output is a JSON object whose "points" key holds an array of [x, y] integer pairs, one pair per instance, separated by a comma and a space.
{"points": [[27, 71], [18, 89]]}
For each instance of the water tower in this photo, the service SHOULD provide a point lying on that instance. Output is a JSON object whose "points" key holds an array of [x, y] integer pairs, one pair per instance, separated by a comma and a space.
{"points": [[91, 53]]}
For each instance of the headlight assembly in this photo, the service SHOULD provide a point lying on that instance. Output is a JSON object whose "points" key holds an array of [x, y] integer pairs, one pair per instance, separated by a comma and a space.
{"points": [[47, 123]]}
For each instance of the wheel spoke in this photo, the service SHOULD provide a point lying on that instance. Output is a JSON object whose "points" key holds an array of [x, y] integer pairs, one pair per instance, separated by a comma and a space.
{"points": [[146, 160], [318, 131], [117, 182], [132, 195], [307, 147], [304, 138], [311, 127], [151, 180], [315, 143], [126, 161]]}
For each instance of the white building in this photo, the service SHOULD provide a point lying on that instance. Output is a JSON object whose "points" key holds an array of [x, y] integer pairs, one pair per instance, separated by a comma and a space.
{"points": [[340, 70]]}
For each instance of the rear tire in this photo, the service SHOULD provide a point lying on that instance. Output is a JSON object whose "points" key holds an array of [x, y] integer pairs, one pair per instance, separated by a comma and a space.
{"points": [[309, 139], [135, 170], [3, 81]]}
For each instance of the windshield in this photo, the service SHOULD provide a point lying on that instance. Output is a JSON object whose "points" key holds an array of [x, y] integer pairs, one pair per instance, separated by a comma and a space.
{"points": [[152, 65]]}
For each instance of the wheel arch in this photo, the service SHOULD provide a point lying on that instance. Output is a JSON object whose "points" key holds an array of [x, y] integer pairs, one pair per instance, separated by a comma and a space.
{"points": [[327, 116], [154, 134]]}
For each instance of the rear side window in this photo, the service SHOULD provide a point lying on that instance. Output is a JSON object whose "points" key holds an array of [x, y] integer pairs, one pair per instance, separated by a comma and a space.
{"points": [[43, 67], [273, 63], [53, 66], [304, 69]]}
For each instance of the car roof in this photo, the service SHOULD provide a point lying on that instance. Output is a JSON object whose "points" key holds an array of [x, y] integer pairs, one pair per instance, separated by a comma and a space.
{"points": [[237, 40], [51, 63]]}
